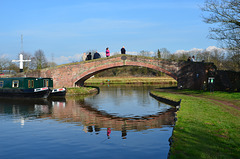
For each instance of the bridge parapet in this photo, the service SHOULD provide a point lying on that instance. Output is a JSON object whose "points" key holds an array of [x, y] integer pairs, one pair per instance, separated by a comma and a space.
{"points": [[74, 74]]}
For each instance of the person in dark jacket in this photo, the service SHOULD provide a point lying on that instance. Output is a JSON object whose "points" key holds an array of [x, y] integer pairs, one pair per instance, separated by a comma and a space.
{"points": [[96, 55], [89, 56], [123, 50]]}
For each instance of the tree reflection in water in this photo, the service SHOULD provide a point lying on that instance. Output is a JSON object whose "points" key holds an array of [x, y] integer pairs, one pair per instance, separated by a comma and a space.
{"points": [[77, 125], [75, 111]]}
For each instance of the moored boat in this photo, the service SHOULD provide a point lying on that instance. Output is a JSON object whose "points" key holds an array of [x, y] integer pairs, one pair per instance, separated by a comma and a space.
{"points": [[58, 92], [23, 87]]}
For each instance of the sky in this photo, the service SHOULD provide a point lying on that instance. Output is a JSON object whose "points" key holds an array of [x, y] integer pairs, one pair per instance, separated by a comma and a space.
{"points": [[65, 29]]}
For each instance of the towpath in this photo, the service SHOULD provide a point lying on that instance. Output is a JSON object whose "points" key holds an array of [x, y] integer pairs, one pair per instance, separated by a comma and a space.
{"points": [[215, 99]]}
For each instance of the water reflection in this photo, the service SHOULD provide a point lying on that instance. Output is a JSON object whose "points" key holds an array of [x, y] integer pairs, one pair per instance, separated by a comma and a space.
{"points": [[94, 120], [87, 126], [80, 112]]}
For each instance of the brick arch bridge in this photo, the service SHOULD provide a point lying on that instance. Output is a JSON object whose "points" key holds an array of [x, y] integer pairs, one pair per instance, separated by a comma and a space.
{"points": [[187, 74]]}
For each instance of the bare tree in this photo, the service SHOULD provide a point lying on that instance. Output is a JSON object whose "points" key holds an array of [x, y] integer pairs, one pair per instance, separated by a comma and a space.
{"points": [[183, 56], [234, 60], [39, 60], [52, 64], [12, 68], [226, 15], [144, 53], [165, 53], [4, 63]]}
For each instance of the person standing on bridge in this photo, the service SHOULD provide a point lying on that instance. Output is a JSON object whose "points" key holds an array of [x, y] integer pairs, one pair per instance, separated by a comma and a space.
{"points": [[123, 50], [193, 59], [96, 55], [89, 56], [107, 52], [84, 56]]}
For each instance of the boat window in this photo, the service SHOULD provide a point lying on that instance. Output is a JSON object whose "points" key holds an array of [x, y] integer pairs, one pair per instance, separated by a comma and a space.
{"points": [[30, 83], [15, 83], [45, 83], [1, 84]]}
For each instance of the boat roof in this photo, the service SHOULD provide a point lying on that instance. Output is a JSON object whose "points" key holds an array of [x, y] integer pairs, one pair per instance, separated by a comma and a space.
{"points": [[20, 78]]}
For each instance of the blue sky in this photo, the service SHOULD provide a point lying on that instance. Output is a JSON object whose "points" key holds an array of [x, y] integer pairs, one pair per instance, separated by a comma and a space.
{"points": [[64, 29]]}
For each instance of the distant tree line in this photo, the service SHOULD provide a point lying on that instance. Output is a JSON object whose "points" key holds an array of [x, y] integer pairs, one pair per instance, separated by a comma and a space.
{"points": [[220, 57], [38, 61]]}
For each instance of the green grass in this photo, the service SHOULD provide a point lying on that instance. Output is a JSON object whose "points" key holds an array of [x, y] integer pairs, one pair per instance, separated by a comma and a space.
{"points": [[205, 129], [217, 94], [131, 80], [81, 91], [232, 97]]}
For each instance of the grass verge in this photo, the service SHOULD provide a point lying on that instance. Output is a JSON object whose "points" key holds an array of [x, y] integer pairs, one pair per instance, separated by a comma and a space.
{"points": [[204, 129], [131, 80], [81, 91]]}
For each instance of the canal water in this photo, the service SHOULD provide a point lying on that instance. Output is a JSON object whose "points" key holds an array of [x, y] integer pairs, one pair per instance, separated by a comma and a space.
{"points": [[119, 122]]}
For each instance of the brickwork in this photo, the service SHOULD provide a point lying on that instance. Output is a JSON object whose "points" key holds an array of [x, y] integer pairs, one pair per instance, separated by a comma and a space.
{"points": [[194, 75], [74, 74], [227, 81]]}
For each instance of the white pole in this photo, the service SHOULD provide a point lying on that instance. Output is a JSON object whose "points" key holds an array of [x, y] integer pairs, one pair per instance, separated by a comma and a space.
{"points": [[21, 61]]}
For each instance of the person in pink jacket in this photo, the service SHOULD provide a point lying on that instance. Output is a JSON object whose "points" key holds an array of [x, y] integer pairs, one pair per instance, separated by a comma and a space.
{"points": [[107, 52]]}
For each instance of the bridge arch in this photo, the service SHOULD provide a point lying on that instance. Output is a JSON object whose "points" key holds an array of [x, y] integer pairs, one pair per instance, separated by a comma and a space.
{"points": [[79, 80], [191, 75]]}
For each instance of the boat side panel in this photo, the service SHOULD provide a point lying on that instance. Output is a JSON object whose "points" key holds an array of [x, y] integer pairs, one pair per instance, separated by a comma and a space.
{"points": [[23, 93]]}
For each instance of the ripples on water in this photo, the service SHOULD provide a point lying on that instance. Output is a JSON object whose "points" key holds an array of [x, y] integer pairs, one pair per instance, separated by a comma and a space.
{"points": [[120, 122]]}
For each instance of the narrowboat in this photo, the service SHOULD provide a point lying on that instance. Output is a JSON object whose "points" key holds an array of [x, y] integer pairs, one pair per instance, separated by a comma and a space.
{"points": [[59, 92], [24, 87]]}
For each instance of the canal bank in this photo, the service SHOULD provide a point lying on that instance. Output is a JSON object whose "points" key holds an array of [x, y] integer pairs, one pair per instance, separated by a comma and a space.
{"points": [[207, 127], [76, 91]]}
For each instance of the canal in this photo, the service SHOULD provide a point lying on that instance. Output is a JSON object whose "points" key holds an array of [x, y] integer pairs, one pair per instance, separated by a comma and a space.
{"points": [[119, 122]]}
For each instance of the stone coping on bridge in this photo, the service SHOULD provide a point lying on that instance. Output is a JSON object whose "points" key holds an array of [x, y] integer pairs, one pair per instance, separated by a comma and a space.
{"points": [[110, 57]]}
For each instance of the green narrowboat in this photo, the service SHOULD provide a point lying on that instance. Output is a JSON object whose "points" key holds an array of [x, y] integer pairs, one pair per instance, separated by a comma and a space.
{"points": [[48, 82], [45, 82], [25, 87]]}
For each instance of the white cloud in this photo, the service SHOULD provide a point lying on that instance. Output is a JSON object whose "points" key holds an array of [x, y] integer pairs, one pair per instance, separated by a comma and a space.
{"points": [[196, 50], [180, 52], [4, 56], [68, 59], [212, 48], [132, 53]]}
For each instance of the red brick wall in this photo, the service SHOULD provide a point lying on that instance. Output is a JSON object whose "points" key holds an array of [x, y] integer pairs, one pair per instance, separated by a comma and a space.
{"points": [[70, 75]]}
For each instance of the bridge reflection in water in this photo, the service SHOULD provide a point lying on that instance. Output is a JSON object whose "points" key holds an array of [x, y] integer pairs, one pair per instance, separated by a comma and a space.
{"points": [[75, 111], [117, 123]]}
